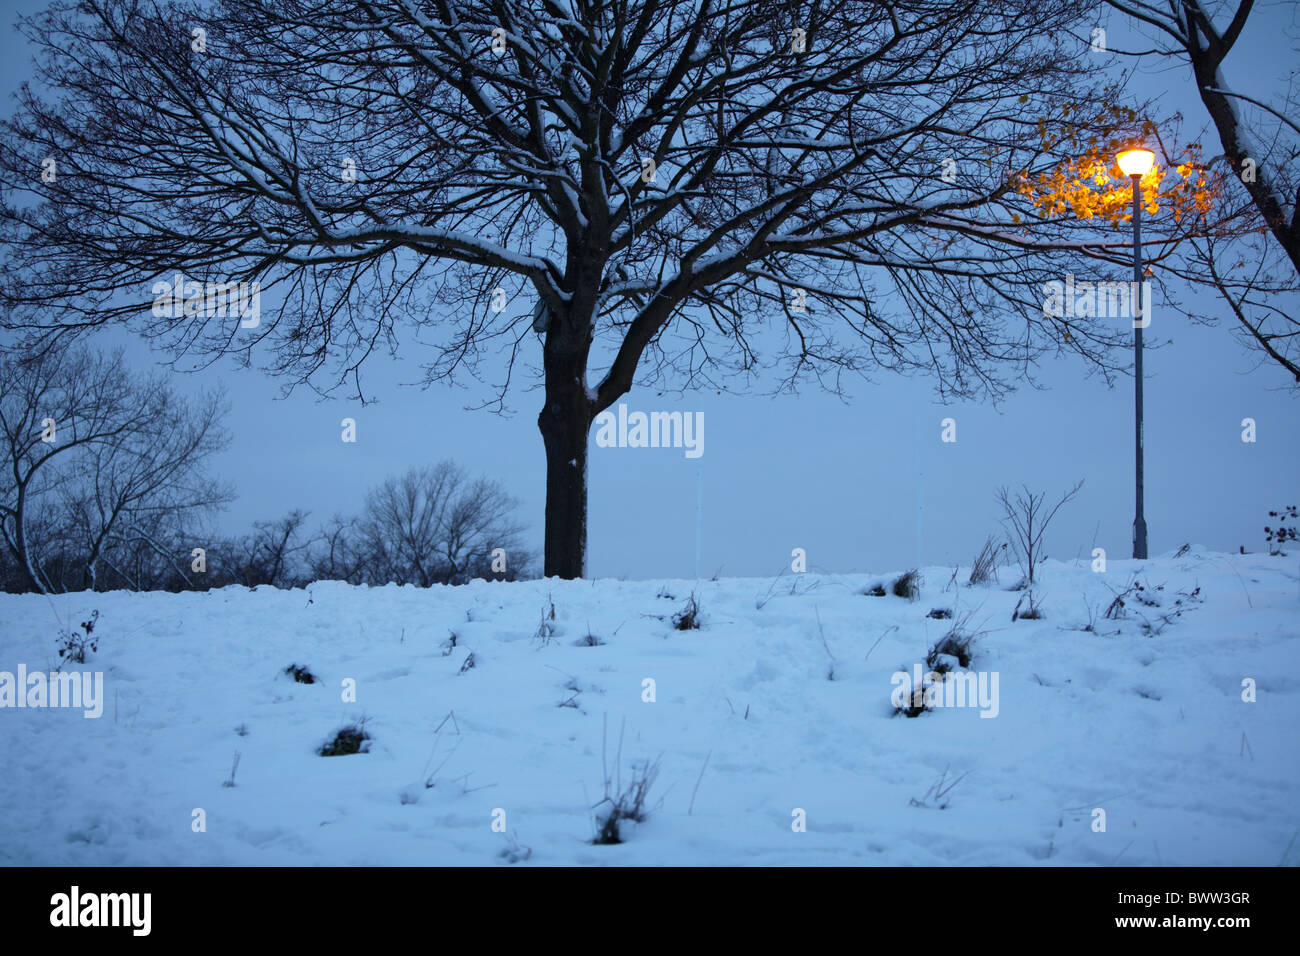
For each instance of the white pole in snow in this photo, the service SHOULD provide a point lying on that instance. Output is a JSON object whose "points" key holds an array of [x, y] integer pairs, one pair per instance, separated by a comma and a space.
{"points": [[916, 468], [699, 515]]}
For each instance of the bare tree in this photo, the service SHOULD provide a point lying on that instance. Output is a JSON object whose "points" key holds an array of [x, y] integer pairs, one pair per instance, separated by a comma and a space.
{"points": [[652, 187], [274, 554], [154, 470], [435, 525], [153, 551], [88, 449], [1026, 518], [1252, 256], [336, 556]]}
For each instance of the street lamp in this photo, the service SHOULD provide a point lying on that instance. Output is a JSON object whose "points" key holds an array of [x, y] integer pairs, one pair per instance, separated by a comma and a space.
{"points": [[1136, 163]]}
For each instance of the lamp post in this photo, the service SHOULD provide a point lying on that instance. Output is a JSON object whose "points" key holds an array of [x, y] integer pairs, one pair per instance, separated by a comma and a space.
{"points": [[1136, 163]]}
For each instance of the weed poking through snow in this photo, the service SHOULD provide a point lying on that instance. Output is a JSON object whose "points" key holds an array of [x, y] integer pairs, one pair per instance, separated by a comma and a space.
{"points": [[547, 630], [588, 639], [301, 674], [623, 803], [956, 644], [984, 569], [514, 851], [629, 804], [1033, 611], [351, 739], [230, 781], [938, 797], [907, 585], [73, 647], [688, 618]]}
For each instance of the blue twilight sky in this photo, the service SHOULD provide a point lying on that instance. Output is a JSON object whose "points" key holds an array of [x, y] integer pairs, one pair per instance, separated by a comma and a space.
{"points": [[862, 484]]}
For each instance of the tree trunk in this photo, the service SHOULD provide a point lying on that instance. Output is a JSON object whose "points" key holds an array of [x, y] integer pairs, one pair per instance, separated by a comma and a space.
{"points": [[564, 422], [23, 550]]}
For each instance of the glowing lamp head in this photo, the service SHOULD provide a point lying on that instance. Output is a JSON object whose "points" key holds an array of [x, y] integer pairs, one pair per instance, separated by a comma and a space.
{"points": [[1136, 162]]}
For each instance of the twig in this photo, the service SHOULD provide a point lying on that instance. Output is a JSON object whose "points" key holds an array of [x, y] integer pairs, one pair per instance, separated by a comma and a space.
{"points": [[1243, 583], [234, 767], [618, 766], [879, 639], [604, 771], [1282, 862], [451, 715], [818, 612], [697, 783]]}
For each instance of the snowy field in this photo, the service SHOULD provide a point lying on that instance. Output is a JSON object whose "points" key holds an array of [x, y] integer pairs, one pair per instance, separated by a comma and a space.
{"points": [[785, 689]]}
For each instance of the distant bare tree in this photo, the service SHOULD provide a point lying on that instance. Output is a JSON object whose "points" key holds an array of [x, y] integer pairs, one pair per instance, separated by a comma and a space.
{"points": [[88, 452], [436, 525], [335, 555], [1026, 518], [274, 554], [153, 552], [120, 486]]}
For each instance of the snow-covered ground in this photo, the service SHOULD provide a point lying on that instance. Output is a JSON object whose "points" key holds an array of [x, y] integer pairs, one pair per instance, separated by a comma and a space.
{"points": [[1140, 718]]}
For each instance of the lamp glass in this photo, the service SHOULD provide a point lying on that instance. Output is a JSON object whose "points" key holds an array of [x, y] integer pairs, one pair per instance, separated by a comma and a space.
{"points": [[1136, 162]]}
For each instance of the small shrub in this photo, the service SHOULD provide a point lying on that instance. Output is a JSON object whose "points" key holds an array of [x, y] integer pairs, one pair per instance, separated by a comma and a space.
{"points": [[940, 613], [1144, 594], [907, 585], [588, 640], [469, 664], [351, 739], [73, 647], [1185, 601], [875, 590], [1280, 535], [1137, 591], [301, 674], [1026, 517], [688, 618]]}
